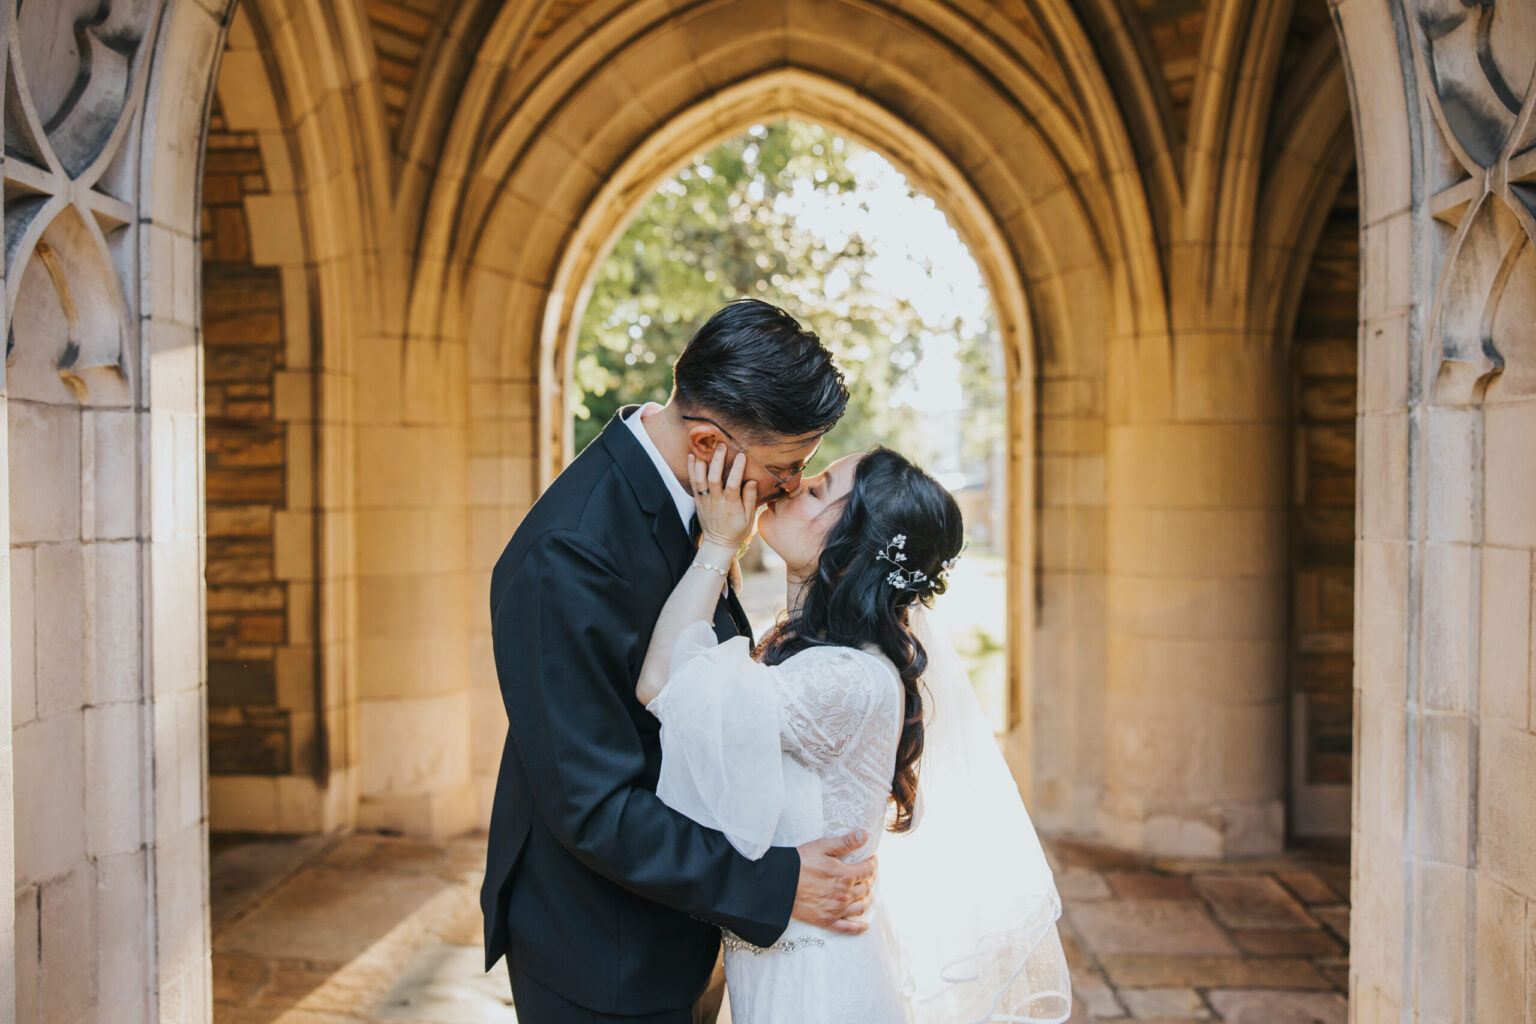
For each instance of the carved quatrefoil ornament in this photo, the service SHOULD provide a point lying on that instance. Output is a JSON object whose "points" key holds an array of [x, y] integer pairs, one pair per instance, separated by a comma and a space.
{"points": [[1476, 66], [73, 90]]}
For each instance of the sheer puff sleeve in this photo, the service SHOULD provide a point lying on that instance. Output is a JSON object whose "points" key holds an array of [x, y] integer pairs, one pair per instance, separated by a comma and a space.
{"points": [[720, 740], [727, 722]]}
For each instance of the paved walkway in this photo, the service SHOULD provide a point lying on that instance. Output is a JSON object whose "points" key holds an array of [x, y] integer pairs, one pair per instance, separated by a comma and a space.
{"points": [[362, 929], [351, 930], [1174, 941]]}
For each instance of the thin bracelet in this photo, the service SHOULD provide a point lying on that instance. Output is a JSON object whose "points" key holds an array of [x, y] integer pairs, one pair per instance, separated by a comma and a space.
{"points": [[712, 568]]}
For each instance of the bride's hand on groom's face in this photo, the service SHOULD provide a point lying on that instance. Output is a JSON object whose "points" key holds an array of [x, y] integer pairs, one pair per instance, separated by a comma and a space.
{"points": [[727, 508]]}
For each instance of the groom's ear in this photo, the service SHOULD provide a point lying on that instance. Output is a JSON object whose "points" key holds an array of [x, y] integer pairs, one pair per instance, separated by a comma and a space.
{"points": [[703, 439]]}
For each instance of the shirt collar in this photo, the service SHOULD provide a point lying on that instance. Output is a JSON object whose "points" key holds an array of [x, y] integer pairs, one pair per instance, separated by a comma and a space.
{"points": [[680, 496]]}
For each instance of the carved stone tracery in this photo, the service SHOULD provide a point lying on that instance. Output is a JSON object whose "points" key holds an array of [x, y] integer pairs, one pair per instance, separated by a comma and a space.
{"points": [[1476, 65], [72, 91]]}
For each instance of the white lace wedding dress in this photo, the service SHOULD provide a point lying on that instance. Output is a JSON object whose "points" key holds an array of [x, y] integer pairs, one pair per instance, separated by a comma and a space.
{"points": [[806, 750]]}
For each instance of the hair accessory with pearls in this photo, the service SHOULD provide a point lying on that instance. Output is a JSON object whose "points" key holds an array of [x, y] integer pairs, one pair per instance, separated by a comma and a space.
{"points": [[903, 578]]}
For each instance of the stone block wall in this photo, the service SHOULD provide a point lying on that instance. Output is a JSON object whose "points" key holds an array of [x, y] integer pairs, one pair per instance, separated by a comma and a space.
{"points": [[270, 760], [1443, 922], [1323, 526], [248, 732], [422, 303], [102, 626]]}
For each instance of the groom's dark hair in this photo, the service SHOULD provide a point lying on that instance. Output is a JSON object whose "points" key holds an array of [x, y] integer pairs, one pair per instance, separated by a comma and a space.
{"points": [[754, 366]]}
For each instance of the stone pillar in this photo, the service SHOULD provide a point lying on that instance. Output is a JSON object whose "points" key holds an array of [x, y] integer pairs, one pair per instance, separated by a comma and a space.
{"points": [[413, 612], [413, 617], [1063, 738], [103, 497], [7, 772], [1444, 892], [1196, 667]]}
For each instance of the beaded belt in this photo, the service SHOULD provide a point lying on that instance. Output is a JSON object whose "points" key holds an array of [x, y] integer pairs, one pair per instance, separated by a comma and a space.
{"points": [[736, 944]]}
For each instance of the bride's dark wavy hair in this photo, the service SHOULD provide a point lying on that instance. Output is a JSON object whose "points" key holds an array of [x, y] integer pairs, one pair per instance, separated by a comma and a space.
{"points": [[850, 601]]}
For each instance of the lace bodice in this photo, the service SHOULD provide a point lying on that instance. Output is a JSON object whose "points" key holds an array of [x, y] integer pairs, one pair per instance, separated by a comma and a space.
{"points": [[840, 719], [786, 753]]}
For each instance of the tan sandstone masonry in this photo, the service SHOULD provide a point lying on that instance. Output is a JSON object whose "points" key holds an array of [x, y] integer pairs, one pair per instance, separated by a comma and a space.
{"points": [[1143, 186], [1324, 362], [248, 733]]}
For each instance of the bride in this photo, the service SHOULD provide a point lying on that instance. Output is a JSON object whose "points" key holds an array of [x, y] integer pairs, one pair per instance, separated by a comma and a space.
{"points": [[853, 715]]}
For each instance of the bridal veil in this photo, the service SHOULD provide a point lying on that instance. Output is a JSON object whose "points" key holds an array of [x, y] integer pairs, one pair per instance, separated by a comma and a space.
{"points": [[967, 890]]}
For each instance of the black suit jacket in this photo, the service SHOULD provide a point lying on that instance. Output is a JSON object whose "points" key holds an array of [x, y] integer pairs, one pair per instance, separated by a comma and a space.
{"points": [[593, 886]]}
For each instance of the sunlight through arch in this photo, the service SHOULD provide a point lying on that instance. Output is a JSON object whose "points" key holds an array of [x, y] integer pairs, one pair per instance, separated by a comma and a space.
{"points": [[794, 213]]}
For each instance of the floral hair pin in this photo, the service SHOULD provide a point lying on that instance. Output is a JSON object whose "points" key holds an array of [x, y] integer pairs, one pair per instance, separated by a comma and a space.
{"points": [[903, 578]]}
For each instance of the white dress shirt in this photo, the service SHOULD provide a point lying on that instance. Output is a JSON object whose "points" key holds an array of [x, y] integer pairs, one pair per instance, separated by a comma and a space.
{"points": [[680, 494]]}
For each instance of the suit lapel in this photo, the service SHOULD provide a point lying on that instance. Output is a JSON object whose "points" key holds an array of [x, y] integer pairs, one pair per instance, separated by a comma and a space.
{"points": [[650, 490], [674, 542], [666, 529]]}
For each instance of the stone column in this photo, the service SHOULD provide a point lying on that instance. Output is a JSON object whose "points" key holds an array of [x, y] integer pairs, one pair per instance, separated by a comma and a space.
{"points": [[104, 701], [1196, 680], [1444, 892], [413, 620], [7, 773]]}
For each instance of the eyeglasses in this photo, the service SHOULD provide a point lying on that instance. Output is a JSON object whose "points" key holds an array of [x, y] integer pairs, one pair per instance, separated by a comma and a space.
{"points": [[782, 481]]}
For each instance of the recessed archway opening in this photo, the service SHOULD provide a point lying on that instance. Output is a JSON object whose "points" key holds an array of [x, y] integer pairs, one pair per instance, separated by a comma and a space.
{"points": [[268, 757], [792, 212], [1322, 530]]}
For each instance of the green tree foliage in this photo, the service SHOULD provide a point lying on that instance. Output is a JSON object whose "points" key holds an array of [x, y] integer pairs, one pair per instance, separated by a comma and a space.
{"points": [[717, 231]]}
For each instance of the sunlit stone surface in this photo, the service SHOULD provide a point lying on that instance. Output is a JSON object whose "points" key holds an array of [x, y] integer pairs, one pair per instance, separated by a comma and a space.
{"points": [[290, 295]]}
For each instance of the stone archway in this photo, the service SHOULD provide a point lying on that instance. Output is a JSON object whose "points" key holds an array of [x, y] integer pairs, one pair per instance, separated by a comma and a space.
{"points": [[106, 162], [790, 93], [1442, 102], [1132, 220], [554, 182], [1029, 125]]}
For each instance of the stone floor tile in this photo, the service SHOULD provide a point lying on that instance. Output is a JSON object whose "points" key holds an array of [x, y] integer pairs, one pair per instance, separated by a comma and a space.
{"points": [[1307, 887], [1266, 1006], [1148, 885], [226, 1014], [1076, 886], [1148, 926], [1286, 942], [244, 869], [405, 857], [1138, 940], [1336, 918], [1163, 1003], [327, 915], [237, 979], [1077, 957], [448, 984], [469, 932], [1338, 975], [1251, 901], [1209, 866], [290, 982], [1335, 876], [304, 1015], [465, 855], [352, 850], [1166, 971], [1071, 853], [1095, 1001]]}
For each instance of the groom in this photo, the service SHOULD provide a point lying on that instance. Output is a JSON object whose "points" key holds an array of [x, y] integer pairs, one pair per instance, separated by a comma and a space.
{"points": [[607, 903]]}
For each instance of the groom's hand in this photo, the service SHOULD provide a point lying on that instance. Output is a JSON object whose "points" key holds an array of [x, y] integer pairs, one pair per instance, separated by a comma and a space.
{"points": [[831, 894]]}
